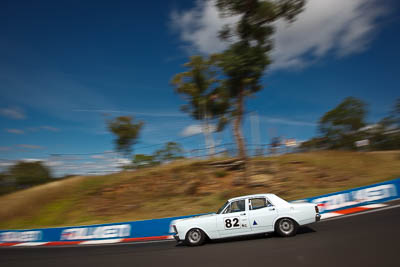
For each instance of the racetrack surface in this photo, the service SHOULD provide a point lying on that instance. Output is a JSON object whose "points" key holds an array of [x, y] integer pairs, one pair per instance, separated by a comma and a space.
{"points": [[370, 239]]}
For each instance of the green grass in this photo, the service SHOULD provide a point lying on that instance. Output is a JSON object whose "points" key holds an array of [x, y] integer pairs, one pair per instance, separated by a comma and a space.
{"points": [[189, 187]]}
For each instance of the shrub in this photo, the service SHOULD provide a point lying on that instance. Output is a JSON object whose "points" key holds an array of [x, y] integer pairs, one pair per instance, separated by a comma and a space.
{"points": [[220, 173], [29, 173]]}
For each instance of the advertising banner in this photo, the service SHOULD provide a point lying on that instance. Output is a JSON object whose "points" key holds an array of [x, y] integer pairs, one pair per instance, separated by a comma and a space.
{"points": [[376, 193], [126, 230]]}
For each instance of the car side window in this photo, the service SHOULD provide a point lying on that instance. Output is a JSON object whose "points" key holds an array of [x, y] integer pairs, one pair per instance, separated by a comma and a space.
{"points": [[259, 203], [236, 206]]}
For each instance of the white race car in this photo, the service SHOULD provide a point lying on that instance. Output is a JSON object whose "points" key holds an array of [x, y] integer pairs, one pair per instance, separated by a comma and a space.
{"points": [[246, 215]]}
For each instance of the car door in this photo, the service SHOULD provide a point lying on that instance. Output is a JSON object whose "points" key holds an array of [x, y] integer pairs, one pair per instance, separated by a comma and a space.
{"points": [[262, 214], [234, 219]]}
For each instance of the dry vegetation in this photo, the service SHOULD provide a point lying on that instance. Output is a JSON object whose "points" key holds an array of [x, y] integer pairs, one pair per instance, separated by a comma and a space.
{"points": [[190, 187]]}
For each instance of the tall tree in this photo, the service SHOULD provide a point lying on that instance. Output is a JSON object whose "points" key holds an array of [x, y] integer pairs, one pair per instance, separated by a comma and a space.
{"points": [[245, 61], [340, 125], [205, 99], [126, 131]]}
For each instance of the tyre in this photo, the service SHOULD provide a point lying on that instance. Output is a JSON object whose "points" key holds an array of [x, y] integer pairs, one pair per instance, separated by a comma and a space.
{"points": [[286, 227], [195, 237]]}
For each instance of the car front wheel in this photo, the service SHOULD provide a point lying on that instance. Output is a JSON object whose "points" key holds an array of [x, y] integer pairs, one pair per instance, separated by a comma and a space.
{"points": [[195, 237], [286, 227]]}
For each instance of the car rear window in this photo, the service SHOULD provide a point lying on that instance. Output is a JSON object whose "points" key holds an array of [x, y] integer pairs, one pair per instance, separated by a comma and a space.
{"points": [[258, 203]]}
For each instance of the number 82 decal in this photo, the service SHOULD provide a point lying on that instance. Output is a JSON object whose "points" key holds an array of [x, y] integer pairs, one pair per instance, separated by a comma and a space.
{"points": [[231, 223]]}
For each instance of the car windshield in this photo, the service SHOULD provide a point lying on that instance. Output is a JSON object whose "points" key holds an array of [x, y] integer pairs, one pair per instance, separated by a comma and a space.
{"points": [[223, 207]]}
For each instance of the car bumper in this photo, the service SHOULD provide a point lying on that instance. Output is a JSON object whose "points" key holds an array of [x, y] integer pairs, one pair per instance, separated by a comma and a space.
{"points": [[177, 237], [317, 217]]}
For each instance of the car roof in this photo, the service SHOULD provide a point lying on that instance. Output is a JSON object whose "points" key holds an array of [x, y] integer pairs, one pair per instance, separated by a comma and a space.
{"points": [[250, 196]]}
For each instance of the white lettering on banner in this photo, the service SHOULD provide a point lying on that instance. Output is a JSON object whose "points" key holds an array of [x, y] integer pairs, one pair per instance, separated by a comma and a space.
{"points": [[355, 197], [110, 231], [23, 236]]}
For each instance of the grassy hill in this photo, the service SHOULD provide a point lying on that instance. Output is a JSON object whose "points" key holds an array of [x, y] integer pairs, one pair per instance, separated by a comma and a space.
{"points": [[190, 187]]}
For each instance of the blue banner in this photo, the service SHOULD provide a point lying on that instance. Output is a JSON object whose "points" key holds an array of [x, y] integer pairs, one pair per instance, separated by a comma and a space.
{"points": [[135, 229], [376, 193]]}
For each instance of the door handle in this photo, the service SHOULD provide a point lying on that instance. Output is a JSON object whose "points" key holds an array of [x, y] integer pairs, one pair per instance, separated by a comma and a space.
{"points": [[243, 214], [272, 209]]}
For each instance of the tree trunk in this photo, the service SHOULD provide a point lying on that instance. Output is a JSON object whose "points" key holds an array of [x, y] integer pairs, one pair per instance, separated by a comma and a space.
{"points": [[237, 132], [237, 126], [208, 138]]}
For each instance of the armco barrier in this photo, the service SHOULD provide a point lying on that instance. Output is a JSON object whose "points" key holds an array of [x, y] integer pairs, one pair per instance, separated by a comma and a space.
{"points": [[136, 230], [159, 228], [376, 193]]}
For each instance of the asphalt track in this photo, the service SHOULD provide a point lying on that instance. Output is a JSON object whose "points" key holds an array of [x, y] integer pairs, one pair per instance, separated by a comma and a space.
{"points": [[370, 239]]}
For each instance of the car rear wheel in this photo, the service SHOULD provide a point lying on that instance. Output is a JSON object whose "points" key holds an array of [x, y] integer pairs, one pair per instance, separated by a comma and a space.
{"points": [[286, 227], [195, 237]]}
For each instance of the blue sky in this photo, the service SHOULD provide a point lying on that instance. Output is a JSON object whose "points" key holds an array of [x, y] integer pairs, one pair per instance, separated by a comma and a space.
{"points": [[64, 64]]}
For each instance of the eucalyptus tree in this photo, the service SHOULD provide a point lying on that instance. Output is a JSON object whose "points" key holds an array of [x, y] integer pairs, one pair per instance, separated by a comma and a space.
{"points": [[246, 59], [205, 99], [340, 126], [126, 130]]}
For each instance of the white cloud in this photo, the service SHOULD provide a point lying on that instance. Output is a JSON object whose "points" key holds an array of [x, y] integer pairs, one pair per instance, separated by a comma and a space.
{"points": [[31, 160], [13, 113], [119, 162], [54, 163], [33, 129], [61, 165], [92, 164], [5, 164], [196, 129], [137, 113], [15, 131], [199, 26], [192, 130], [30, 146], [102, 165], [49, 128], [98, 157], [339, 26], [287, 121]]}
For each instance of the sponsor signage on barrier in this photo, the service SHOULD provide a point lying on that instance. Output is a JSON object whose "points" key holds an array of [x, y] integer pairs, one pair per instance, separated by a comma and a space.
{"points": [[20, 236], [375, 193], [136, 229], [99, 232]]}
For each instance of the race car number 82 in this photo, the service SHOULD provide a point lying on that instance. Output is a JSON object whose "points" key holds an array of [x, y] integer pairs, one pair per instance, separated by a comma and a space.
{"points": [[232, 223]]}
